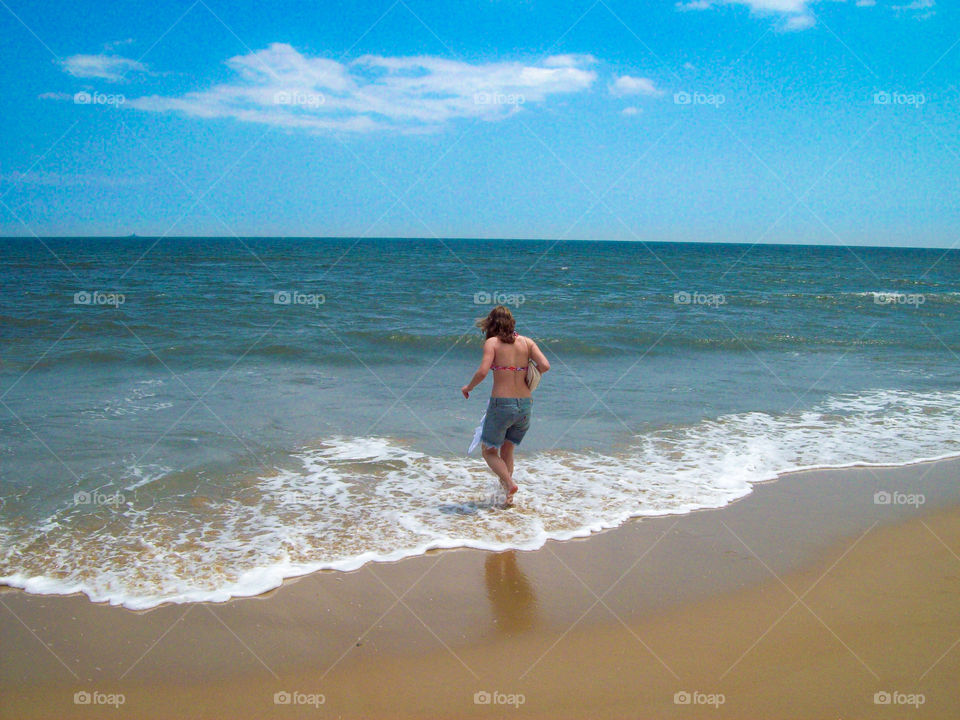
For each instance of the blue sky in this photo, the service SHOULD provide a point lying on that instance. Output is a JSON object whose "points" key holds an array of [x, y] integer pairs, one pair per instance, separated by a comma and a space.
{"points": [[809, 121]]}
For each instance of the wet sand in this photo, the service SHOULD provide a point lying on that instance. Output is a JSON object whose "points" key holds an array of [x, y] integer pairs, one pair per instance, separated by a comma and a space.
{"points": [[803, 600]]}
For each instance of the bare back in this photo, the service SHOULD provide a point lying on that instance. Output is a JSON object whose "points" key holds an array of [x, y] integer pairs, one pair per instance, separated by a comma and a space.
{"points": [[511, 383]]}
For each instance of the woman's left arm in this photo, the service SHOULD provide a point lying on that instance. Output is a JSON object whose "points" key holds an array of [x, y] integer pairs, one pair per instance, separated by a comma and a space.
{"points": [[481, 373]]}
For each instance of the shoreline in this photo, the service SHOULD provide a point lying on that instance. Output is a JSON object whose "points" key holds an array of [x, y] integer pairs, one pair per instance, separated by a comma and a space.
{"points": [[491, 239], [411, 637], [351, 565]]}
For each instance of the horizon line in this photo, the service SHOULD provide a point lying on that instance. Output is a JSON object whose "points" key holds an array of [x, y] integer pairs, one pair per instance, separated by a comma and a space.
{"points": [[134, 236]]}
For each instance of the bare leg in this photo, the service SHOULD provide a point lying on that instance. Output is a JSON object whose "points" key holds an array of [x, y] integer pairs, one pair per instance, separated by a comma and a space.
{"points": [[506, 454], [501, 470]]}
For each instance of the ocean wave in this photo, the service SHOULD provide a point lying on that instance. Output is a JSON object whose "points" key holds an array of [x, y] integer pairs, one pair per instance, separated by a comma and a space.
{"points": [[22, 322], [881, 296], [353, 500]]}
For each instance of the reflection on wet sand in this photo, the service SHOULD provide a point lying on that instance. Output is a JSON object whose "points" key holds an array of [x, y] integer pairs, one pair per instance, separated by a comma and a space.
{"points": [[511, 595]]}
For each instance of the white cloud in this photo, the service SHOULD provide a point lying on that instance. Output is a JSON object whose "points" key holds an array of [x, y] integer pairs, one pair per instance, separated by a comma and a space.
{"points": [[630, 111], [111, 46], [779, 6], [797, 14], [569, 60], [280, 86], [799, 22], [922, 9], [628, 85], [105, 67], [787, 7]]}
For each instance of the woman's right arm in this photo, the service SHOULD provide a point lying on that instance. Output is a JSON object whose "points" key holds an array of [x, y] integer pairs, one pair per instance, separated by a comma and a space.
{"points": [[542, 363]]}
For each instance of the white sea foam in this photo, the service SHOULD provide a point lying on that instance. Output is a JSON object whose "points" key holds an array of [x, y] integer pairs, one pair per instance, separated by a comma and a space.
{"points": [[141, 475], [132, 401], [356, 500]]}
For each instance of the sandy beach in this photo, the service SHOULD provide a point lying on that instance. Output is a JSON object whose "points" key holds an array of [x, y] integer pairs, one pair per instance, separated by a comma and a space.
{"points": [[812, 597], [277, 286]]}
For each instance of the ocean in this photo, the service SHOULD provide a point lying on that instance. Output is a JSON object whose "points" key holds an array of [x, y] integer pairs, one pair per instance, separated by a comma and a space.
{"points": [[195, 419]]}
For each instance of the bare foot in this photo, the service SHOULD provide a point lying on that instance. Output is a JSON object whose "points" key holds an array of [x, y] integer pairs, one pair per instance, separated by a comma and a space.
{"points": [[510, 491]]}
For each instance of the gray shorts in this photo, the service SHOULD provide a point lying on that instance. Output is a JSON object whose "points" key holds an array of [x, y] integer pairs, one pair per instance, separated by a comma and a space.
{"points": [[507, 419]]}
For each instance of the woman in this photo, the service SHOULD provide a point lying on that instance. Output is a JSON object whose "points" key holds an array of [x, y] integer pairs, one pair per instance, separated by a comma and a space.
{"points": [[507, 353]]}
